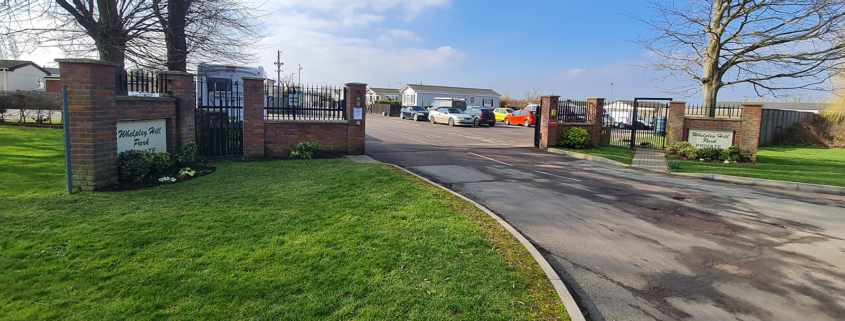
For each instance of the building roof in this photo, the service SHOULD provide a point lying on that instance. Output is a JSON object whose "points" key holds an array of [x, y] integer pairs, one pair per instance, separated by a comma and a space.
{"points": [[11, 65], [383, 91], [786, 106], [452, 90], [55, 72]]}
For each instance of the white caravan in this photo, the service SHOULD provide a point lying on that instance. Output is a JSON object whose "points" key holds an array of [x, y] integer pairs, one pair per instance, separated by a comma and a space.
{"points": [[222, 86]]}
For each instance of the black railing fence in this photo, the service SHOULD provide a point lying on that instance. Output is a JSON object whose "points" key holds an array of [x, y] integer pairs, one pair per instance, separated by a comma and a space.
{"points": [[714, 111], [141, 81], [289, 101], [219, 117], [573, 111]]}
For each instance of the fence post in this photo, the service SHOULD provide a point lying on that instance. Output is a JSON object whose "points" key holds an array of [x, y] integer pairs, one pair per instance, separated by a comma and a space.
{"points": [[548, 134], [355, 96], [253, 113], [182, 86], [91, 90], [595, 108], [750, 129], [675, 125]]}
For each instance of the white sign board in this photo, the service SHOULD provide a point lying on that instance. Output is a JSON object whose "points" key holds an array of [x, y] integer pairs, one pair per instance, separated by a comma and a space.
{"points": [[357, 113], [149, 135], [703, 138]]}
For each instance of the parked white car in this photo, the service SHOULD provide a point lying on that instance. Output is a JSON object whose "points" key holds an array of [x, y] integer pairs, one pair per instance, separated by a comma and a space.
{"points": [[451, 116]]}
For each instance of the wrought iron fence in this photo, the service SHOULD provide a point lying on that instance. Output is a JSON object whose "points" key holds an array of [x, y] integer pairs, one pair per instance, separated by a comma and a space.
{"points": [[714, 111], [627, 124], [288, 101], [140, 82], [219, 117], [573, 111]]}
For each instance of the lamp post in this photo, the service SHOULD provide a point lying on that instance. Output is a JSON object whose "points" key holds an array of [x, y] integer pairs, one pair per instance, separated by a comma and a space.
{"points": [[299, 82], [611, 92]]}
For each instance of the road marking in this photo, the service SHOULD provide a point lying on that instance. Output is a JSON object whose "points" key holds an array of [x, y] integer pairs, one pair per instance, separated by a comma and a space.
{"points": [[485, 157], [550, 174], [416, 140]]}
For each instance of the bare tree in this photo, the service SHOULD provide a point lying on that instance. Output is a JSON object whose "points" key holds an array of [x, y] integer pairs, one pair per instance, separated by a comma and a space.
{"points": [[219, 31], [533, 96], [148, 34], [772, 45]]}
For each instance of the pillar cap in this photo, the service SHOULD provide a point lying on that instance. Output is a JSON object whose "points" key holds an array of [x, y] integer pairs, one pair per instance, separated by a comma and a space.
{"points": [[752, 104], [595, 98], [678, 102], [354, 84], [175, 72], [85, 61], [545, 96], [252, 78]]}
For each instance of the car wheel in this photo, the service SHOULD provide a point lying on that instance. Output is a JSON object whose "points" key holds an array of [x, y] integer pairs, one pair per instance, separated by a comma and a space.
{"points": [[477, 122], [416, 117], [401, 115], [491, 124], [451, 122], [526, 123], [507, 121]]}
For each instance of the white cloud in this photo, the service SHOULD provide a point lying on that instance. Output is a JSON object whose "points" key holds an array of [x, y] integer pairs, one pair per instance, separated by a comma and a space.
{"points": [[399, 35]]}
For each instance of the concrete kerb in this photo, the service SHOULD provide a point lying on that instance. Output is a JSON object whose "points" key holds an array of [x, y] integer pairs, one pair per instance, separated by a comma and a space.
{"points": [[562, 291], [597, 159], [792, 186]]}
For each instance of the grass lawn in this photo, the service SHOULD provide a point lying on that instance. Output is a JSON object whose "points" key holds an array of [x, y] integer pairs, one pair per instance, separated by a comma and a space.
{"points": [[619, 154], [288, 240], [796, 164]]}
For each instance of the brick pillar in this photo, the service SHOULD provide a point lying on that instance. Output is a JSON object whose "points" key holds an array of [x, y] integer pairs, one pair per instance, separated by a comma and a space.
{"points": [[595, 107], [253, 117], [355, 98], [750, 129], [182, 86], [675, 125], [548, 135], [93, 128]]}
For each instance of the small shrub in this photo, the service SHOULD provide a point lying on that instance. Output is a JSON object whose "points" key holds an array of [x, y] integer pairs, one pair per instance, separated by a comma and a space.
{"points": [[304, 150], [733, 153], [161, 162], [574, 137], [724, 155], [685, 149], [187, 154], [133, 165], [709, 153], [674, 164]]}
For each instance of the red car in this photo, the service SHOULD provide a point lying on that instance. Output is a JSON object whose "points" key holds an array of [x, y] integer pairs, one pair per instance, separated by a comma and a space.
{"points": [[524, 117]]}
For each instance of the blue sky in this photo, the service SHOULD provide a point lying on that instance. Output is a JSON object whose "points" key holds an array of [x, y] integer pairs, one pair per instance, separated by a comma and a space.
{"points": [[574, 49]]}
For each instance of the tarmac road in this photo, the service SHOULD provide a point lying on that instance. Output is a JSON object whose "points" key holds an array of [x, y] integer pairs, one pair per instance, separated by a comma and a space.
{"points": [[633, 245]]}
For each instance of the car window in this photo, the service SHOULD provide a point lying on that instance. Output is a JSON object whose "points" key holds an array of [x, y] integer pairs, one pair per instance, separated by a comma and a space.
{"points": [[509, 110], [441, 110], [455, 111], [533, 113], [417, 108]]}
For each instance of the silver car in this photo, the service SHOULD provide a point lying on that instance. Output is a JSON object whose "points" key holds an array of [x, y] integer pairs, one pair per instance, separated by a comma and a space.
{"points": [[451, 116]]}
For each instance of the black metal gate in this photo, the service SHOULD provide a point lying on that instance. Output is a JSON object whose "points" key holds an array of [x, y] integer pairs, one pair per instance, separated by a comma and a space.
{"points": [[640, 123], [219, 117]]}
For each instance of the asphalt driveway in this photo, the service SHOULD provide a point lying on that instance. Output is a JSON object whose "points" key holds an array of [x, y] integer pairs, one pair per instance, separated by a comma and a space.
{"points": [[641, 246]]}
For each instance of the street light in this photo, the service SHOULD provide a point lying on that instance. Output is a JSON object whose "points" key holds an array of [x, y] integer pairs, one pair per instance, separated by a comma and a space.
{"points": [[300, 75], [611, 92]]}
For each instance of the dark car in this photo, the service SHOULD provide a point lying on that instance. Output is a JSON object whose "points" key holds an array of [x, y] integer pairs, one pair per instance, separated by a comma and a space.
{"points": [[413, 112], [482, 115]]}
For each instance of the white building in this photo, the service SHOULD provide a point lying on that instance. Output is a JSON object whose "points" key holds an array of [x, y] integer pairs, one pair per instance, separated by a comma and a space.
{"points": [[422, 95], [374, 94], [21, 75]]}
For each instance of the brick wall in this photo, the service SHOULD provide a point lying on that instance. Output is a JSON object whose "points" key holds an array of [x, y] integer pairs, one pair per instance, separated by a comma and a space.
{"points": [[274, 138], [53, 85], [549, 135], [94, 110], [280, 136], [746, 129]]}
